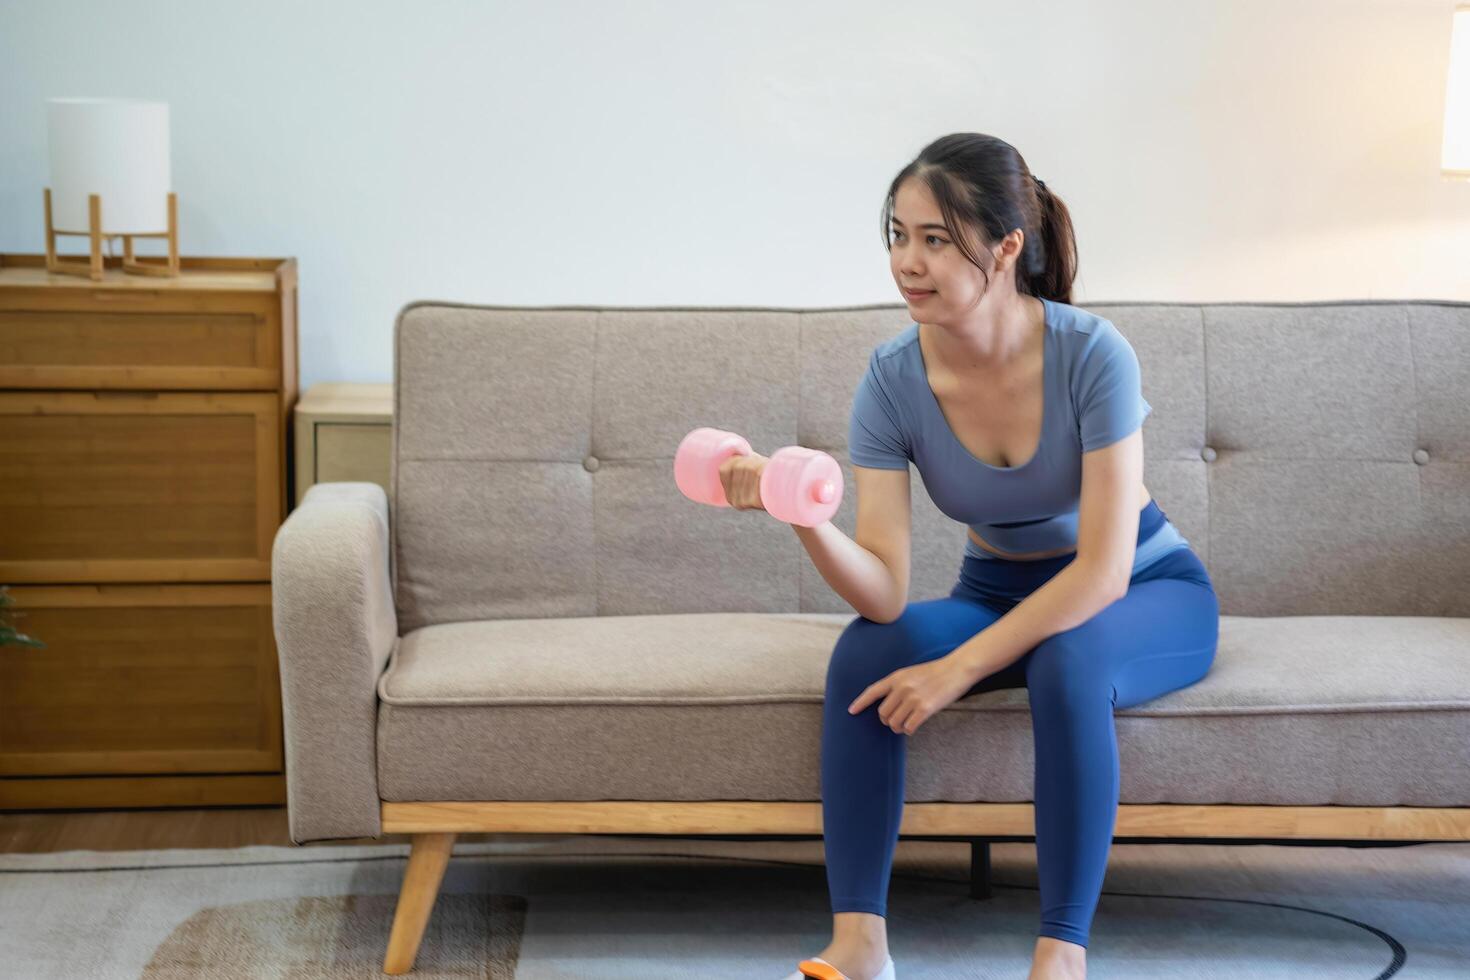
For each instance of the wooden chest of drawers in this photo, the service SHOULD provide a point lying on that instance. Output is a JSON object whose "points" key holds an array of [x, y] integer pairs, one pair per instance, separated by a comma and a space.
{"points": [[146, 428]]}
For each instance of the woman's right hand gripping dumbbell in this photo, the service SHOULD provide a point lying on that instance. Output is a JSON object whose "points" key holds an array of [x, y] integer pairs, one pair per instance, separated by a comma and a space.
{"points": [[740, 479], [794, 484]]}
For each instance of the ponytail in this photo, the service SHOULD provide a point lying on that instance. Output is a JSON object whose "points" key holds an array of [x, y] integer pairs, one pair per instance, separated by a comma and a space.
{"points": [[1052, 267]]}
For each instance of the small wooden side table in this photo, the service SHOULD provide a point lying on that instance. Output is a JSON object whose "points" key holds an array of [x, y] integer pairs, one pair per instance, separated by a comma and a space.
{"points": [[344, 431]]}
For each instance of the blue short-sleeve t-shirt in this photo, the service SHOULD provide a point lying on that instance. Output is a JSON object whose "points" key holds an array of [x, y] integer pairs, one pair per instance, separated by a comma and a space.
{"points": [[1092, 398]]}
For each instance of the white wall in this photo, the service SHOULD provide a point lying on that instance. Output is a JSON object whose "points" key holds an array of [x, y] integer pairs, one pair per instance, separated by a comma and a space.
{"points": [[680, 153]]}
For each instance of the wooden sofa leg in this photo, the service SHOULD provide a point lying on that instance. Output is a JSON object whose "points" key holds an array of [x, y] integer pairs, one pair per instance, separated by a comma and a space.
{"points": [[426, 864]]}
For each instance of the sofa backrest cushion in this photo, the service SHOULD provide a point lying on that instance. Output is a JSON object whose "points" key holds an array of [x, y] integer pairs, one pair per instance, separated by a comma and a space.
{"points": [[1315, 455]]}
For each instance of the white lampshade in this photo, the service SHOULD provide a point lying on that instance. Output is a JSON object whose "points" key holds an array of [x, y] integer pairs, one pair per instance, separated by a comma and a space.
{"points": [[115, 148], [1455, 159]]}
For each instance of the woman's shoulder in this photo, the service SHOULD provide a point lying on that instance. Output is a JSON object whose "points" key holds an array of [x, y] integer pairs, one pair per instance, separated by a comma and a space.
{"points": [[1093, 349], [897, 344], [1075, 320], [889, 362]]}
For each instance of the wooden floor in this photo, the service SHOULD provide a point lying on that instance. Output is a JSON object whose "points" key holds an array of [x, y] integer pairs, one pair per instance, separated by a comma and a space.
{"points": [[133, 830]]}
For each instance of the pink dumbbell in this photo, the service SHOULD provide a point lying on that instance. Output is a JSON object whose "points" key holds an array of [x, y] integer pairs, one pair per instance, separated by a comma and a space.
{"points": [[798, 485]]}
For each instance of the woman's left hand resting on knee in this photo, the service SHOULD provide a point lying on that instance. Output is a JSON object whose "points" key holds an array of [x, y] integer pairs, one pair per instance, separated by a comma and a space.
{"points": [[915, 693]]}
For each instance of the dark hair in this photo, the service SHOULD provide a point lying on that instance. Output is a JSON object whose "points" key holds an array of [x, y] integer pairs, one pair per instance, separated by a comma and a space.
{"points": [[982, 182]]}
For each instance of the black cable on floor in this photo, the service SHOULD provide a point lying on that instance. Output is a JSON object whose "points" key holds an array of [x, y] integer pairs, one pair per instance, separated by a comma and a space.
{"points": [[1396, 948]]}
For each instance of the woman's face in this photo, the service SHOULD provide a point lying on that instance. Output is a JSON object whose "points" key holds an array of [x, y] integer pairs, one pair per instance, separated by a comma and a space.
{"points": [[923, 255]]}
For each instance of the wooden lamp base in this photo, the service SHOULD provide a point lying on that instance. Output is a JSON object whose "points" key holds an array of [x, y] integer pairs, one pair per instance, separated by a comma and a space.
{"points": [[135, 265]]}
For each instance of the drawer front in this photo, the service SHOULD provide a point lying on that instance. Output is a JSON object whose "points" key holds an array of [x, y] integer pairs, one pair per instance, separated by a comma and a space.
{"points": [[140, 340], [141, 679], [139, 486], [150, 792]]}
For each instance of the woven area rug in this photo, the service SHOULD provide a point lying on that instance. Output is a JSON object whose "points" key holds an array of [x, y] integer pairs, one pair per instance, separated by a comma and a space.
{"points": [[623, 908]]}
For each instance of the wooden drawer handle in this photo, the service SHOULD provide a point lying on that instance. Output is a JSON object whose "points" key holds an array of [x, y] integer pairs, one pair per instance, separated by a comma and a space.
{"points": [[124, 394]]}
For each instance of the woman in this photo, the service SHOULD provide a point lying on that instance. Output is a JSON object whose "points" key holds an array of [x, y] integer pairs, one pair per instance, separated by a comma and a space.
{"points": [[1023, 415]]}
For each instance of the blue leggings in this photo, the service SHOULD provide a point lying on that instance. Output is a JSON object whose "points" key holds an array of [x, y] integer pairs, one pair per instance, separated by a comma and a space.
{"points": [[1159, 637]]}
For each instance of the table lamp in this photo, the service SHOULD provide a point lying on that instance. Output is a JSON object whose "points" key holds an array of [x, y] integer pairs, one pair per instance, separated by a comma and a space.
{"points": [[110, 176], [1454, 159]]}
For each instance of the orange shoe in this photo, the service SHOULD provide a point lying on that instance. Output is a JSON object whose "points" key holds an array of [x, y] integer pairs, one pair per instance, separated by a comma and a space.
{"points": [[817, 968]]}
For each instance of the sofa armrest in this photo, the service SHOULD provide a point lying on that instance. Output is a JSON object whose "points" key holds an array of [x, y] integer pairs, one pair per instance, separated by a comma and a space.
{"points": [[335, 627]]}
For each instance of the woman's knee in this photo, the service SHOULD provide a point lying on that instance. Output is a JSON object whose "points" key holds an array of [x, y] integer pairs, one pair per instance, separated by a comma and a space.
{"points": [[867, 651]]}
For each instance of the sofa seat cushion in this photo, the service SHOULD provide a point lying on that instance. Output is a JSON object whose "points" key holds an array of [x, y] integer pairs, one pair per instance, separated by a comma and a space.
{"points": [[1307, 710]]}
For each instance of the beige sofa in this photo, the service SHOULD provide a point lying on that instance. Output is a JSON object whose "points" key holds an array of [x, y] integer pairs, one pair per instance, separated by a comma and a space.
{"points": [[545, 636]]}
